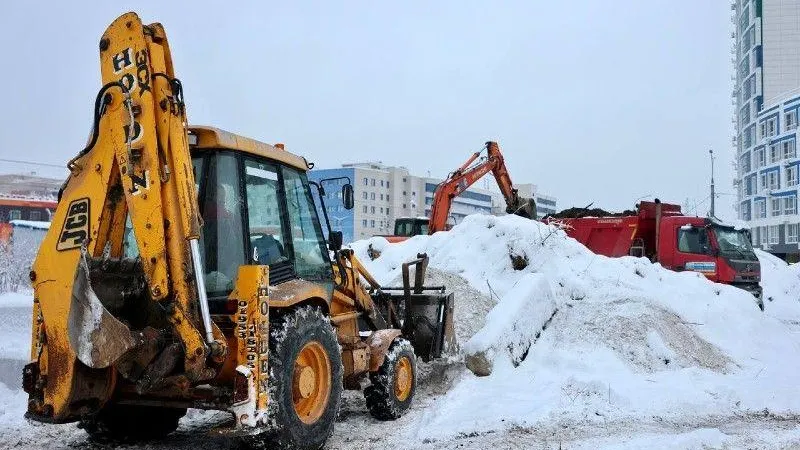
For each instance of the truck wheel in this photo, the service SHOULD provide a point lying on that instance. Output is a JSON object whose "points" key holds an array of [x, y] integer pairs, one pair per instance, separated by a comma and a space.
{"points": [[127, 423], [394, 383], [305, 380]]}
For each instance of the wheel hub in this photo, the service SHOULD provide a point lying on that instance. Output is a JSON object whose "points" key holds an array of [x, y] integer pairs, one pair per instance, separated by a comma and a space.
{"points": [[404, 379], [305, 381], [311, 382]]}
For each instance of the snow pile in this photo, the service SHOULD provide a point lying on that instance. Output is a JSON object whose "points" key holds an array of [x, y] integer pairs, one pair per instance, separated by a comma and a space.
{"points": [[781, 284], [630, 340], [513, 327]]}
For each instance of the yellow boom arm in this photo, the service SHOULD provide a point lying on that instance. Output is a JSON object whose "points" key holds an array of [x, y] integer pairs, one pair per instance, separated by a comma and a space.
{"points": [[136, 167]]}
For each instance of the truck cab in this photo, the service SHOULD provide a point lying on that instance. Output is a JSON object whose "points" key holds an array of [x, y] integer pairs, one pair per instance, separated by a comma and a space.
{"points": [[720, 252]]}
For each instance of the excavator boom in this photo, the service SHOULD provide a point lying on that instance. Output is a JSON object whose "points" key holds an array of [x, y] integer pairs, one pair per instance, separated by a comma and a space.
{"points": [[466, 175]]}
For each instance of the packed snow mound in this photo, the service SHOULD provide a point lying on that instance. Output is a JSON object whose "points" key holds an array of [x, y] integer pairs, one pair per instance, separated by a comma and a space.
{"points": [[630, 338], [781, 284], [514, 327]]}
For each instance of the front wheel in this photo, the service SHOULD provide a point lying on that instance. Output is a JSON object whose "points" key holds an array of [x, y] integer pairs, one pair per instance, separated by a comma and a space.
{"points": [[305, 380], [394, 383]]}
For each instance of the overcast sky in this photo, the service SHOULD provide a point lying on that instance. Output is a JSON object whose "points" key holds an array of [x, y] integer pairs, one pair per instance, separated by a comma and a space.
{"points": [[593, 101]]}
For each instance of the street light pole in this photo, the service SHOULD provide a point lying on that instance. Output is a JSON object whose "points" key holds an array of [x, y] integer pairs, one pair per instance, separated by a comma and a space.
{"points": [[713, 195]]}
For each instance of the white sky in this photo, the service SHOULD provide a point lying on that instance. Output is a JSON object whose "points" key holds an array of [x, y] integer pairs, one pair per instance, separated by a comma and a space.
{"points": [[594, 101]]}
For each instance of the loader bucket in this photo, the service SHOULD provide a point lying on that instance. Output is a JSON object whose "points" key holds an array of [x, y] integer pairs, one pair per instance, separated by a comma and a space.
{"points": [[429, 324], [97, 337], [423, 313]]}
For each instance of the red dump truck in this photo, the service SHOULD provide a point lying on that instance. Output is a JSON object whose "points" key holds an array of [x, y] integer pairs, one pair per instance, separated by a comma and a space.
{"points": [[660, 232]]}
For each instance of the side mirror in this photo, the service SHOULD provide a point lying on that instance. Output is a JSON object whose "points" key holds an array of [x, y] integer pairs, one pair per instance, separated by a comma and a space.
{"points": [[348, 198], [335, 240]]}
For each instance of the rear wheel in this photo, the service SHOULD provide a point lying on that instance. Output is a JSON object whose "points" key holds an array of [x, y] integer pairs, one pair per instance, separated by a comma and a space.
{"points": [[305, 381], [127, 423], [394, 383]]}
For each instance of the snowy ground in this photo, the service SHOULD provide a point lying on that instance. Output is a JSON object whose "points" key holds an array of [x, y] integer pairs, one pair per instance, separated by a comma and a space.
{"points": [[584, 352]]}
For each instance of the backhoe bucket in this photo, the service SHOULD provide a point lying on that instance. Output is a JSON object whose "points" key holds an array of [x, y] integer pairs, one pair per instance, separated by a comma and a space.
{"points": [[98, 338]]}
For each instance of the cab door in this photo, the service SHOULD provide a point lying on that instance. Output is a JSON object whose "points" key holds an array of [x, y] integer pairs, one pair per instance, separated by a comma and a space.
{"points": [[694, 251]]}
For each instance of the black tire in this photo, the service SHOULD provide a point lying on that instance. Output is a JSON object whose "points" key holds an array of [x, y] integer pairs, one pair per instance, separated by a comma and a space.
{"points": [[289, 334], [132, 423], [382, 399]]}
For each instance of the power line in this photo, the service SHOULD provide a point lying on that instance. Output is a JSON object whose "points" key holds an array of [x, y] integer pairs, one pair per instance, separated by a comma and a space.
{"points": [[60, 166]]}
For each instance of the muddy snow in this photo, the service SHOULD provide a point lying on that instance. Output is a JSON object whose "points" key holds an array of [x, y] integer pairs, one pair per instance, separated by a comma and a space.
{"points": [[585, 352]]}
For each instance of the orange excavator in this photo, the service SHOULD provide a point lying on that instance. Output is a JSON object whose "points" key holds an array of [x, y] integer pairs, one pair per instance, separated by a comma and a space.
{"points": [[488, 159]]}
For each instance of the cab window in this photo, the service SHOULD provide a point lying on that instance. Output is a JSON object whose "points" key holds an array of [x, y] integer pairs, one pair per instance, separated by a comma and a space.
{"points": [[266, 236], [310, 255], [693, 240], [221, 240]]}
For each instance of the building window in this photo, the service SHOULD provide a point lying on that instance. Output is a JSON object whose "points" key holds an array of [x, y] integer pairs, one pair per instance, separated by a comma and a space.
{"points": [[381, 196], [744, 163], [790, 120], [769, 180], [791, 176], [788, 148], [373, 183], [776, 207], [364, 209], [763, 235], [791, 233], [372, 209], [404, 206], [774, 153], [774, 234], [744, 20], [790, 205], [404, 179], [762, 128], [404, 192], [14, 214], [761, 208], [364, 223], [744, 114], [744, 66], [772, 126], [372, 223], [381, 210], [364, 195], [761, 157], [387, 197], [372, 196], [366, 182], [35, 215], [387, 185]]}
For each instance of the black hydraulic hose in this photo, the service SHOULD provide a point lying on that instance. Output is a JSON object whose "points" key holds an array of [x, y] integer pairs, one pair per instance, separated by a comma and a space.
{"points": [[176, 86], [99, 103]]}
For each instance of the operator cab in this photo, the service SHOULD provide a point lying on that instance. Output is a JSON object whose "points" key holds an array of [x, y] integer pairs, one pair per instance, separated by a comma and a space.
{"points": [[256, 204], [411, 226]]}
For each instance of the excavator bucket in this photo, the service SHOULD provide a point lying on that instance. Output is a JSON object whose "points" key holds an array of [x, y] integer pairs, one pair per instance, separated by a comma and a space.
{"points": [[525, 207], [98, 338]]}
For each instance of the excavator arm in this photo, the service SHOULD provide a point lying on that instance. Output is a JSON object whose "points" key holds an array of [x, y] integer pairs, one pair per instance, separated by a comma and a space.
{"points": [[465, 176], [137, 169]]}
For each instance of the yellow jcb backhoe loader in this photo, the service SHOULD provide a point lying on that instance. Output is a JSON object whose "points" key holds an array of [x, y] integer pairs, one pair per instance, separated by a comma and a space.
{"points": [[186, 267]]}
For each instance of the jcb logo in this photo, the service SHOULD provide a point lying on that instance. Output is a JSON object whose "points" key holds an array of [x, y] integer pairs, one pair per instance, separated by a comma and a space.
{"points": [[75, 230]]}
